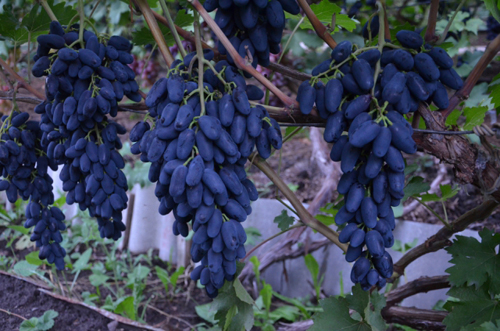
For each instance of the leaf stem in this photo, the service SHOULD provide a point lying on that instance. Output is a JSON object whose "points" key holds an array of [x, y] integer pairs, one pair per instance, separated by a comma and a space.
{"points": [[171, 26], [81, 11], [155, 30], [320, 29], [433, 212], [238, 60], [450, 22], [49, 11], [199, 53], [297, 225]]}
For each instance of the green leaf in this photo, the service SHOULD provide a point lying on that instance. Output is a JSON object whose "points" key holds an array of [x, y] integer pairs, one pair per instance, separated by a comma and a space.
{"points": [[336, 312], [33, 259], [447, 192], [474, 116], [42, 323], [63, 13], [19, 228], [267, 294], [98, 279], [175, 276], [286, 312], [312, 266], [143, 36], [359, 300], [373, 310], [430, 197], [36, 20], [127, 307], [475, 262], [29, 325], [326, 220], [205, 313], [495, 95], [284, 221], [345, 22], [490, 326], [493, 7], [414, 187], [453, 117], [163, 276], [234, 307], [323, 11], [474, 24], [184, 18], [469, 315], [83, 261], [25, 269]]}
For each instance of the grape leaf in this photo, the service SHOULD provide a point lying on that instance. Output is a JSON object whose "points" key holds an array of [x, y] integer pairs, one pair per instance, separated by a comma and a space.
{"points": [[336, 312], [234, 307], [493, 7], [490, 326], [284, 221], [42, 323], [474, 116], [144, 36], [359, 300], [495, 95], [373, 311], [468, 315], [63, 13], [447, 192], [453, 117], [324, 11], [183, 18], [36, 20], [414, 187], [475, 262]]}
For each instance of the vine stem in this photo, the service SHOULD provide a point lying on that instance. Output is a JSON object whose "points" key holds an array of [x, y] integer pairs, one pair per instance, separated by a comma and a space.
{"points": [[155, 30], [298, 225], [445, 32], [49, 11], [238, 60], [302, 212], [430, 33], [463, 94], [320, 29], [199, 53], [24, 84], [441, 238], [82, 20], [13, 314], [172, 28], [273, 66]]}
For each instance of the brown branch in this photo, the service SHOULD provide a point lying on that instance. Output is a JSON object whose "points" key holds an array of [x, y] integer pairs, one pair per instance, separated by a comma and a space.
{"points": [[238, 60], [273, 66], [419, 285], [23, 83], [430, 33], [463, 94], [155, 30], [320, 29], [387, 31], [302, 212], [442, 238], [422, 319]]}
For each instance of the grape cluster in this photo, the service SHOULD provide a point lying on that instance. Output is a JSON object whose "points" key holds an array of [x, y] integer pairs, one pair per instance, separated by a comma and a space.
{"points": [[24, 168], [253, 26], [493, 28], [197, 157], [83, 86], [370, 110]]}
